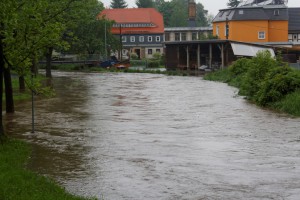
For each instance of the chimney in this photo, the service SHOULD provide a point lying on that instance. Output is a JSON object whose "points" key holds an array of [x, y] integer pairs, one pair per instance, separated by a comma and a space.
{"points": [[192, 13]]}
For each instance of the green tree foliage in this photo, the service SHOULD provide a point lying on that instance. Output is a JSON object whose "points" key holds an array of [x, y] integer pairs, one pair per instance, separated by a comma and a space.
{"points": [[179, 14], [175, 13], [31, 28], [88, 36], [118, 4], [165, 8], [144, 3], [202, 15], [262, 63], [233, 3], [263, 79]]}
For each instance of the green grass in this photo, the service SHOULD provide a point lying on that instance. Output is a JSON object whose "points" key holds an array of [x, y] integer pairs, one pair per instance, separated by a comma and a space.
{"points": [[17, 183], [289, 104], [220, 75], [19, 96]]}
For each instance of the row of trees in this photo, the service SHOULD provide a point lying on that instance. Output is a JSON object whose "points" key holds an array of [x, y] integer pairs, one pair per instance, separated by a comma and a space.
{"points": [[31, 29], [175, 12]]}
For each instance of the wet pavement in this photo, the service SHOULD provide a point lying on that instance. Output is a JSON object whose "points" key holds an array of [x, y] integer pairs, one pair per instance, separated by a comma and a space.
{"points": [[146, 136]]}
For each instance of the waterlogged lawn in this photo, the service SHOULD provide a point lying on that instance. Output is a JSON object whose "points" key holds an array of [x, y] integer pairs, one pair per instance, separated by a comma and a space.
{"points": [[17, 183]]}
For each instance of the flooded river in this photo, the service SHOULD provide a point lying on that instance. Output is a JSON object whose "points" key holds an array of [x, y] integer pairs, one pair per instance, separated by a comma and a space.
{"points": [[155, 137]]}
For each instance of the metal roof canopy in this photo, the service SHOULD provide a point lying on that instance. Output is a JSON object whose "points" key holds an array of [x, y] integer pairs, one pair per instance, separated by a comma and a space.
{"points": [[249, 50]]}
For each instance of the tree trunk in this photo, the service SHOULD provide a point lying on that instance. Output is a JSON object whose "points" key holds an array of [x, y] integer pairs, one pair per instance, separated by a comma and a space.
{"points": [[10, 108], [48, 62], [22, 83], [2, 63], [34, 67]]}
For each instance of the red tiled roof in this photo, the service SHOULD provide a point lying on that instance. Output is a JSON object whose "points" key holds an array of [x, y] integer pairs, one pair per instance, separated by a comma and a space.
{"points": [[135, 16]]}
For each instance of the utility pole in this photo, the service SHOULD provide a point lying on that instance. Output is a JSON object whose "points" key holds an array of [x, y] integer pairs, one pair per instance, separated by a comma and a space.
{"points": [[227, 28], [105, 44]]}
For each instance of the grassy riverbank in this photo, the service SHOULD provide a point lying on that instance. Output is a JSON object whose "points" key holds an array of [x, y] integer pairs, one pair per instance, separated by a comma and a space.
{"points": [[17, 183], [266, 82]]}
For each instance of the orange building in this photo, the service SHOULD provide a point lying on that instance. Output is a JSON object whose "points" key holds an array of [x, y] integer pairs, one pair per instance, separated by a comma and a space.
{"points": [[260, 24]]}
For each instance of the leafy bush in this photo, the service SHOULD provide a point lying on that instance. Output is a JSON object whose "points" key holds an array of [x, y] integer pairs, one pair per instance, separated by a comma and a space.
{"points": [[278, 83], [153, 64], [289, 103], [260, 66], [134, 56]]}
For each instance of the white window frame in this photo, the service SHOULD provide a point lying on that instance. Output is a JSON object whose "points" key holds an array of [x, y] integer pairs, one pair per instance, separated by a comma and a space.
{"points": [[132, 38], [142, 39], [150, 39], [261, 35], [124, 38], [183, 36], [157, 38], [150, 51], [217, 30]]}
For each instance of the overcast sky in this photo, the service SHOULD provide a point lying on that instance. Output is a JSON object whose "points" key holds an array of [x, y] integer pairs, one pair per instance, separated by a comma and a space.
{"points": [[213, 6]]}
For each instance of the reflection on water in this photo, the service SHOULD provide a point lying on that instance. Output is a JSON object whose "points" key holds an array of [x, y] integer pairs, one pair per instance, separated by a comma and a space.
{"points": [[144, 136]]}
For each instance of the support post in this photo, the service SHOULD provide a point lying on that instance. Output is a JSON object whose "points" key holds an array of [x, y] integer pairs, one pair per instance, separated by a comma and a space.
{"points": [[187, 58], [198, 56], [222, 55], [178, 56], [210, 55]]}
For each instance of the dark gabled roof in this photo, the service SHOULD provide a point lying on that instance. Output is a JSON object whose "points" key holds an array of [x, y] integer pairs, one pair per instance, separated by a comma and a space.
{"points": [[253, 13], [294, 19]]}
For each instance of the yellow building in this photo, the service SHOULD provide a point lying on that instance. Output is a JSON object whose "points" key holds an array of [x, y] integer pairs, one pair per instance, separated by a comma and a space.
{"points": [[259, 24]]}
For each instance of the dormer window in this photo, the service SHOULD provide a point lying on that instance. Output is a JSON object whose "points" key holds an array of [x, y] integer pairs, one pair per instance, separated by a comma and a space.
{"points": [[276, 12]]}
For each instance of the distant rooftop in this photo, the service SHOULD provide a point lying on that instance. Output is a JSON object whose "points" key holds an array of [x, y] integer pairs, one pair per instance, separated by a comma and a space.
{"points": [[188, 29], [262, 2]]}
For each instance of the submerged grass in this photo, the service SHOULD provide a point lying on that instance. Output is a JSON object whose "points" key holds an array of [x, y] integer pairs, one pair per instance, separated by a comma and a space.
{"points": [[17, 183]]}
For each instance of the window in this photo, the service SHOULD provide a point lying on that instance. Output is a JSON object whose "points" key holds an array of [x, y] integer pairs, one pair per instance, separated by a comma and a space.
{"points": [[149, 38], [177, 36], [123, 38], [167, 36], [226, 30], [157, 38], [217, 30], [261, 35], [194, 36], [141, 38], [241, 12], [132, 38], [183, 36], [157, 51], [276, 12], [150, 51]]}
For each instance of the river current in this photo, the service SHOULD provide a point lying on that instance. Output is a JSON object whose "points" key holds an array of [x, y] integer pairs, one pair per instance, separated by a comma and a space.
{"points": [[146, 136]]}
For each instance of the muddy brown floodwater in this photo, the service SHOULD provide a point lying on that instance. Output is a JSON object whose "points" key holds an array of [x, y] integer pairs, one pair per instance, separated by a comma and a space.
{"points": [[145, 137]]}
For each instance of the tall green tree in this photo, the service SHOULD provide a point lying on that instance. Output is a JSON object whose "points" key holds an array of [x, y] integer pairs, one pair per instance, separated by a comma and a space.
{"points": [[201, 15], [233, 3], [144, 3], [179, 14], [118, 4], [165, 8], [91, 33]]}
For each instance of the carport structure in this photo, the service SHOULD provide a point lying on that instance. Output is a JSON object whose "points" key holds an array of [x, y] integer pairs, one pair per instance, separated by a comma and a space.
{"points": [[215, 54]]}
